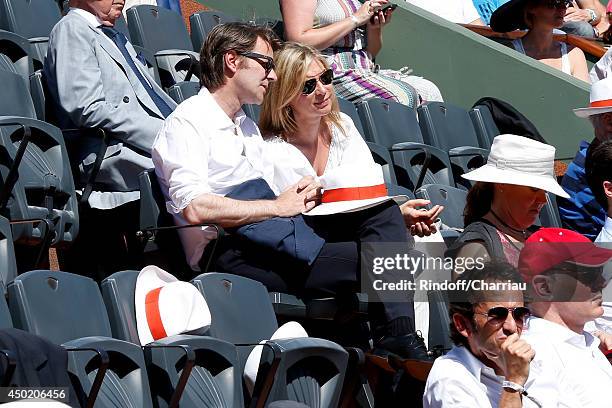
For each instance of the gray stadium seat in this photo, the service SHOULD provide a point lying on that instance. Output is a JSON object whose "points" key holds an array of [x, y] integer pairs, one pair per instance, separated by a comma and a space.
{"points": [[203, 21], [163, 32], [183, 90], [453, 200], [310, 370], [215, 380], [450, 128], [439, 341], [350, 109], [485, 126], [394, 126], [8, 267], [18, 50], [44, 188], [32, 19], [68, 309]]}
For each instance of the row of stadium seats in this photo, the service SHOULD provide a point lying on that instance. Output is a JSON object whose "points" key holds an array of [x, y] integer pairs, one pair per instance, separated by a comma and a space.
{"points": [[98, 327]]}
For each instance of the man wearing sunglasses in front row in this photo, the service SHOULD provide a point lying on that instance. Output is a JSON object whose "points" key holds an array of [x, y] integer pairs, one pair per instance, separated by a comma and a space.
{"points": [[489, 365], [565, 274]]}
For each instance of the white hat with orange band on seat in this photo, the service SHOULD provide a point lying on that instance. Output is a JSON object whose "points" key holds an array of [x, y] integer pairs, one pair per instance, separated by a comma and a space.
{"points": [[166, 306], [353, 188]]}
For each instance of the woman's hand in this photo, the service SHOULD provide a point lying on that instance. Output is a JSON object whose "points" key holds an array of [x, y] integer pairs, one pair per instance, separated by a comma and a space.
{"points": [[368, 9], [420, 221], [380, 19]]}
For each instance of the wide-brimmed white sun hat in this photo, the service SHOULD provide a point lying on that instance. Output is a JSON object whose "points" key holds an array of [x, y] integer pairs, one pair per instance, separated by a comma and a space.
{"points": [[166, 306], [520, 161], [352, 188], [289, 330], [600, 99]]}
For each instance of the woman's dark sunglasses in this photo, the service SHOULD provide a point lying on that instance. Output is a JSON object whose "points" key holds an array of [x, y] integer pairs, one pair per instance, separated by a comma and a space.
{"points": [[558, 3], [499, 314], [267, 63], [325, 78]]}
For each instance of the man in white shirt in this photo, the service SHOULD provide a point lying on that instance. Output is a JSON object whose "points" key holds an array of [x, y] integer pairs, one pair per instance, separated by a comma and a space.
{"points": [[208, 155], [455, 11], [489, 365], [565, 276]]}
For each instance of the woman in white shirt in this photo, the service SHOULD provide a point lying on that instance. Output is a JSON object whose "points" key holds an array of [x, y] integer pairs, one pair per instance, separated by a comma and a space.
{"points": [[307, 132], [540, 18]]}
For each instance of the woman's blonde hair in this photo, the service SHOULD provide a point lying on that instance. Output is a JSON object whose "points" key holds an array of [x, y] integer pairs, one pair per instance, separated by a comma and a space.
{"points": [[292, 62]]}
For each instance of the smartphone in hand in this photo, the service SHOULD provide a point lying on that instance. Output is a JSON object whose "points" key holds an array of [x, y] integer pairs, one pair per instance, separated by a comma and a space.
{"points": [[384, 10]]}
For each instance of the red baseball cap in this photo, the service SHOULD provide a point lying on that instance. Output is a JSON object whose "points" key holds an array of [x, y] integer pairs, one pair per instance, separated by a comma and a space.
{"points": [[549, 247]]}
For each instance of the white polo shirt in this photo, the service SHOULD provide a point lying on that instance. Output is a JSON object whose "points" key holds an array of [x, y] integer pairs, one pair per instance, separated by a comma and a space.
{"points": [[459, 380], [199, 150], [582, 372]]}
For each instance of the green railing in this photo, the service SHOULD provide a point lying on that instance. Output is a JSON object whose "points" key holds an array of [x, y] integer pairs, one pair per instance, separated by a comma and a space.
{"points": [[467, 66]]}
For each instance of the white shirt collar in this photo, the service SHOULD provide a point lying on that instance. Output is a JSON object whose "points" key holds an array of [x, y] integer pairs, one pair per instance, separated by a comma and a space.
{"points": [[93, 20], [217, 116], [476, 367], [562, 333], [606, 232]]}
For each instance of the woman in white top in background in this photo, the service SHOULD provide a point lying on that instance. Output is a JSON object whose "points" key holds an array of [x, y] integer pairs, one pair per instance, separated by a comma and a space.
{"points": [[541, 17], [307, 132]]}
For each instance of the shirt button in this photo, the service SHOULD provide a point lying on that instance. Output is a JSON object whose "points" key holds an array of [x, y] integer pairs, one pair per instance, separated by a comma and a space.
{"points": [[126, 99]]}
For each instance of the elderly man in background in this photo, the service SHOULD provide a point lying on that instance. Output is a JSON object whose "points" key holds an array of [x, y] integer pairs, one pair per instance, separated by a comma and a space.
{"points": [[96, 80]]}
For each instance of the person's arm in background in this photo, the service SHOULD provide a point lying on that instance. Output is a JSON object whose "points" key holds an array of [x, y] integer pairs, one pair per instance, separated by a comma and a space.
{"points": [[298, 17], [582, 13], [579, 64], [375, 28]]}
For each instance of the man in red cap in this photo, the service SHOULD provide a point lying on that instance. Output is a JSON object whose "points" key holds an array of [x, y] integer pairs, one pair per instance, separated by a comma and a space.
{"points": [[565, 275]]}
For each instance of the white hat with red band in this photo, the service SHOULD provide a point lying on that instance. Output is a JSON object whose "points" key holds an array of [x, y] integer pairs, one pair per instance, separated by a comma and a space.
{"points": [[166, 306], [353, 188], [600, 99]]}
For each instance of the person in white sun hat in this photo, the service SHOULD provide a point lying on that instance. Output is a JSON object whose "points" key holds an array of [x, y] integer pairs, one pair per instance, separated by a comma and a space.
{"points": [[166, 306], [504, 203], [582, 213]]}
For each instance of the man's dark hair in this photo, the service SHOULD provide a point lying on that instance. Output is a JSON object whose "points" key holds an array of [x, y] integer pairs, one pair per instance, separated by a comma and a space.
{"points": [[463, 302], [238, 37], [598, 168]]}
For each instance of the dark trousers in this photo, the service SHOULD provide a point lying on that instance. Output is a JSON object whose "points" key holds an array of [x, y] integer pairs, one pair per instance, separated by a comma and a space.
{"points": [[106, 242], [336, 271]]}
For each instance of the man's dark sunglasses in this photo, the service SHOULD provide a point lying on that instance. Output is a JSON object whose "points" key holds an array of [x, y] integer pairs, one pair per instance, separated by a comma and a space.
{"points": [[595, 278], [499, 314], [558, 3], [267, 63], [325, 78]]}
